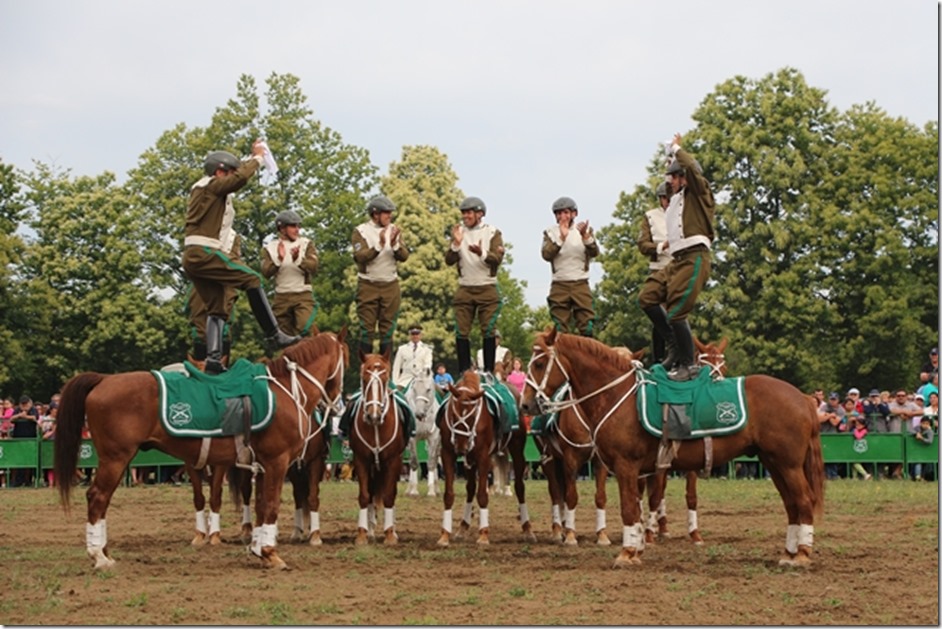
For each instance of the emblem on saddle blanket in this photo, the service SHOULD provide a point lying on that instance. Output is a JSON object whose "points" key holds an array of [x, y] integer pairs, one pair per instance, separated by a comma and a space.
{"points": [[698, 408], [500, 403], [404, 412], [194, 404]]}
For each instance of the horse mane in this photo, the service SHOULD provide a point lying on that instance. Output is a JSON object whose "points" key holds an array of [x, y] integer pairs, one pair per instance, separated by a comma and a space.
{"points": [[471, 380], [304, 352], [615, 357]]}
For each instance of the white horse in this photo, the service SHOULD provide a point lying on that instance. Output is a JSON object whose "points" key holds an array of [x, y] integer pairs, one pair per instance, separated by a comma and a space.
{"points": [[421, 396]]}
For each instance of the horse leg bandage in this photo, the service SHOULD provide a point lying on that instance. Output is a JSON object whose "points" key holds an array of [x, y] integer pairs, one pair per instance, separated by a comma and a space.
{"points": [[692, 524], [96, 535], [633, 536], [556, 517], [570, 519], [363, 520], [214, 523], [389, 518], [299, 520], [262, 536], [599, 520], [806, 535], [467, 513], [483, 517], [524, 513], [791, 539], [246, 514], [201, 522], [315, 521], [446, 521]]}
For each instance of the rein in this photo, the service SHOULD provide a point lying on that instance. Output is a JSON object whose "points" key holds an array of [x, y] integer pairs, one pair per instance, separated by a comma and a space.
{"points": [[382, 396], [468, 430], [548, 405], [300, 399]]}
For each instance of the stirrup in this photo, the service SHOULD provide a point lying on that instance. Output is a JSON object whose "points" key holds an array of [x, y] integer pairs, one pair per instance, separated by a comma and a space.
{"points": [[683, 373]]}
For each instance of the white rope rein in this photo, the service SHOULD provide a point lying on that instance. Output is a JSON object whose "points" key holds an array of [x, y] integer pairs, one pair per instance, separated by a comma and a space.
{"points": [[379, 393], [461, 420]]}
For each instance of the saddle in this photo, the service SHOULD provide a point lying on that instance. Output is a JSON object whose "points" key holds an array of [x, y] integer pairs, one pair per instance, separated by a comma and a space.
{"points": [[195, 404], [696, 409]]}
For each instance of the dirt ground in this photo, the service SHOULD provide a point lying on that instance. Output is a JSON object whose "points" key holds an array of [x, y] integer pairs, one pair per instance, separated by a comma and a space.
{"points": [[876, 563]]}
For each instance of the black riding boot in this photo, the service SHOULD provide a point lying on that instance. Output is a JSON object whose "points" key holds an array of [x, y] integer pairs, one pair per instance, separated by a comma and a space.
{"points": [[683, 341], [657, 345], [490, 358], [662, 326], [384, 347], [266, 319], [463, 347], [214, 330], [366, 347], [199, 349]]}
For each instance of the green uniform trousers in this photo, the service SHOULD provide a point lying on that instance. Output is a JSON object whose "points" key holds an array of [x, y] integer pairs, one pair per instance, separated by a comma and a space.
{"points": [[570, 306]]}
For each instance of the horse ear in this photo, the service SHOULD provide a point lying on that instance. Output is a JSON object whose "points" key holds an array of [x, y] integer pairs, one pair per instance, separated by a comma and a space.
{"points": [[722, 345], [343, 333], [639, 354], [387, 353], [550, 337], [361, 354]]}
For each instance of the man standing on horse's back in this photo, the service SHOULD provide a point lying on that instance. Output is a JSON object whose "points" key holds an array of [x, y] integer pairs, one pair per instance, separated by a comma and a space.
{"points": [[209, 236], [689, 235]]}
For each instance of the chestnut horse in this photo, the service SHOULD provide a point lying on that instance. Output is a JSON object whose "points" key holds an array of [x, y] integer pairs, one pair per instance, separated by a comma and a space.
{"points": [[781, 429], [123, 417], [468, 430], [377, 439]]}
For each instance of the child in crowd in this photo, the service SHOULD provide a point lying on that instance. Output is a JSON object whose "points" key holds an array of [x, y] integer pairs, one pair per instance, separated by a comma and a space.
{"points": [[858, 427], [925, 436]]}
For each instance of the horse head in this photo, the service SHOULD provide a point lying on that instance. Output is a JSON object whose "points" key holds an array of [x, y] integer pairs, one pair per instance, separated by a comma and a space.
{"points": [[318, 360], [421, 395], [464, 410], [374, 385], [546, 372], [712, 355]]}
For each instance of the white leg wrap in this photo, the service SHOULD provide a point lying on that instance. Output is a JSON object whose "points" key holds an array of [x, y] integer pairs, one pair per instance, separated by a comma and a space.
{"points": [[315, 521], [446, 521], [363, 520], [246, 514], [662, 509], [570, 519], [432, 478], [467, 513], [214, 523], [482, 516], [652, 522], [262, 536], [96, 535], [524, 513], [599, 519], [791, 539], [692, 524], [633, 536], [389, 518], [371, 518], [201, 522], [806, 535], [413, 477], [299, 520], [556, 518]]}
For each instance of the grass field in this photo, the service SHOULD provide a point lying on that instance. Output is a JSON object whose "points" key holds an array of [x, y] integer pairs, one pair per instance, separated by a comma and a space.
{"points": [[876, 562]]}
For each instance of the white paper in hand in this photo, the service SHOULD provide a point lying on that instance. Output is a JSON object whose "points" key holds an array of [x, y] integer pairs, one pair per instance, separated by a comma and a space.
{"points": [[271, 168]]}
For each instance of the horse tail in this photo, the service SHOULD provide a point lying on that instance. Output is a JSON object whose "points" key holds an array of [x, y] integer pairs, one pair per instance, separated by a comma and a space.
{"points": [[69, 424], [814, 463]]}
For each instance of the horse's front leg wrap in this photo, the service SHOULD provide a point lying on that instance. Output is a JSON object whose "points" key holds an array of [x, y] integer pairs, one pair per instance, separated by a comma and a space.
{"points": [[246, 514], [693, 525], [557, 519], [446, 521], [262, 536], [806, 535], [633, 536], [201, 522], [363, 520], [569, 518], [599, 520], [315, 521], [214, 526], [96, 538], [299, 521], [389, 518], [791, 539], [466, 518]]}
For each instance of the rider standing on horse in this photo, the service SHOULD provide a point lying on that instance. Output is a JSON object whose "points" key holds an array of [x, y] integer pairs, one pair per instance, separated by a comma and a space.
{"points": [[412, 359], [652, 242], [568, 247], [209, 237], [690, 234], [291, 259], [197, 312], [377, 250], [477, 249]]}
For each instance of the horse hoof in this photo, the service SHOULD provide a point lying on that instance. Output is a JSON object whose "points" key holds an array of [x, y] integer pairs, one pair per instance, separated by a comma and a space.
{"points": [[391, 538], [570, 539], [626, 559], [274, 562], [102, 561], [696, 538], [412, 492], [316, 539], [362, 538], [215, 539], [199, 539], [483, 541], [443, 540], [649, 537], [602, 539]]}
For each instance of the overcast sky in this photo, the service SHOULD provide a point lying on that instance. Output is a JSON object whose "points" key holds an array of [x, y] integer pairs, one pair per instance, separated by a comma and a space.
{"points": [[530, 100]]}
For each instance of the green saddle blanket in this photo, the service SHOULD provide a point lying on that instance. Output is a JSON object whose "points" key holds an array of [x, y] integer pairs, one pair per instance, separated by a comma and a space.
{"points": [[405, 412], [544, 424], [714, 407], [501, 404], [196, 404]]}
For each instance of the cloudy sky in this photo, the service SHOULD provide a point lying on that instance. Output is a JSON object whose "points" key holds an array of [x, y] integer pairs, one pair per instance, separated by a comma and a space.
{"points": [[530, 100]]}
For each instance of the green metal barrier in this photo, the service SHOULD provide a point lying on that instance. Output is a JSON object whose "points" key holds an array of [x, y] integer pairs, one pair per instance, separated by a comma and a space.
{"points": [[20, 454]]}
